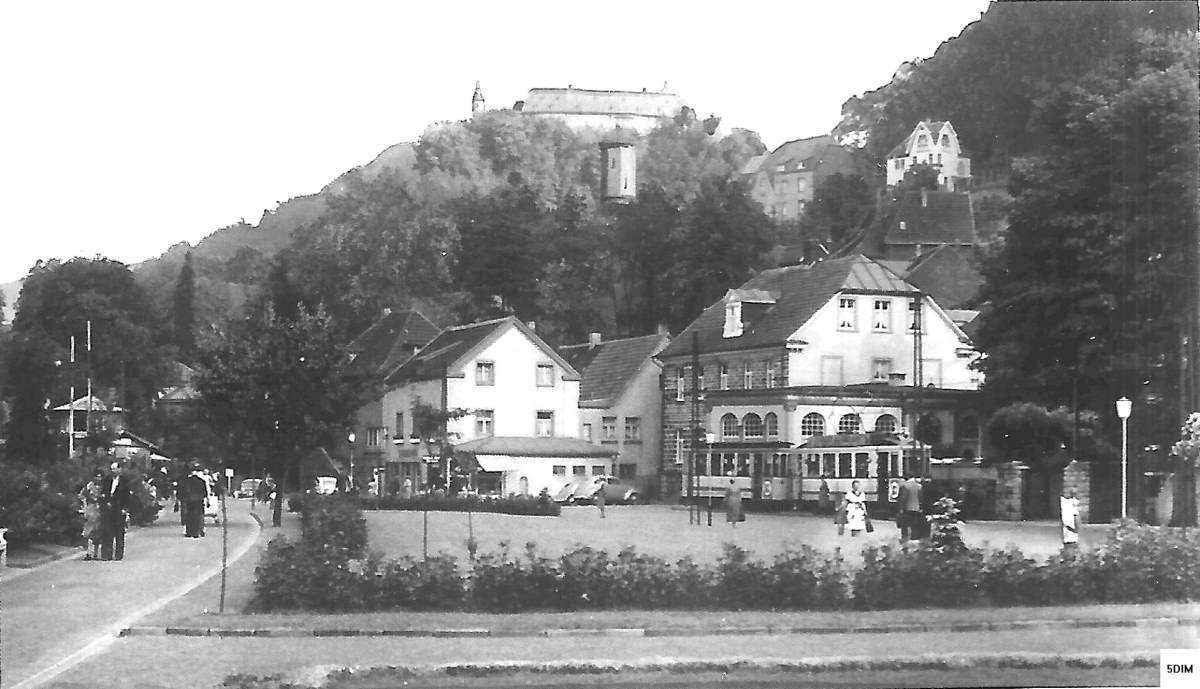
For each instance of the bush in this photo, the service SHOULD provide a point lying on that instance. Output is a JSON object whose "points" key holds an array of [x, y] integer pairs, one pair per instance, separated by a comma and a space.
{"points": [[333, 520], [410, 584], [501, 582], [917, 575], [304, 575], [540, 506]]}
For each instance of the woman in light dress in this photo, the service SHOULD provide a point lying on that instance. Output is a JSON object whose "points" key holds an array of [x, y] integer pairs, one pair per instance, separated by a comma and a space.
{"points": [[733, 504], [855, 506], [90, 496]]}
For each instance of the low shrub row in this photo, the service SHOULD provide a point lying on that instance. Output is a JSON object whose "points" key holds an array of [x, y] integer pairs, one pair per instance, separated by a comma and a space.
{"points": [[332, 522], [535, 506], [1137, 564]]}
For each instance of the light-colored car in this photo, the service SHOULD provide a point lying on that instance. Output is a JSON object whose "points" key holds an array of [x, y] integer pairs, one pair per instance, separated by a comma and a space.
{"points": [[616, 491], [326, 485]]}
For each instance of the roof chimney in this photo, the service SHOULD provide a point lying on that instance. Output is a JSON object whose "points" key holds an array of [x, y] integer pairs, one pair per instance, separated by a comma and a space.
{"points": [[593, 340], [896, 380], [924, 198]]}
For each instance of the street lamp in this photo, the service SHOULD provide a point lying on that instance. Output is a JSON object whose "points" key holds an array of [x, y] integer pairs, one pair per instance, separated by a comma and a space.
{"points": [[1124, 407], [350, 438]]}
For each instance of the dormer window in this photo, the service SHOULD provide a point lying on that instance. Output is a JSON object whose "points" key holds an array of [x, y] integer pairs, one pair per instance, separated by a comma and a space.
{"points": [[903, 225], [945, 139], [733, 320]]}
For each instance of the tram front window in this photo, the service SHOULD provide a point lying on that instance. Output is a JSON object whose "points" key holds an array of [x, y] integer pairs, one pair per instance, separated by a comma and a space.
{"points": [[862, 464], [812, 465], [844, 466]]}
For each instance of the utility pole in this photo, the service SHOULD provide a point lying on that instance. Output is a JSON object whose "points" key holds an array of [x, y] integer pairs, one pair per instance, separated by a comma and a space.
{"points": [[71, 404], [693, 436]]}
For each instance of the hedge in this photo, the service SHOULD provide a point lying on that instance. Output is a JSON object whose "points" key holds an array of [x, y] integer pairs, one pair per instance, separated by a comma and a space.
{"points": [[539, 506], [1137, 564]]}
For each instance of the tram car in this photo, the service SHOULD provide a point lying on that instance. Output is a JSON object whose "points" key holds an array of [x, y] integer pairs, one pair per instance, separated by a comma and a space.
{"points": [[777, 473]]}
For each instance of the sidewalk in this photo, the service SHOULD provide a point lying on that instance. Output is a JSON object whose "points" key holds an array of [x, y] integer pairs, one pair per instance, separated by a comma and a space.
{"points": [[64, 610]]}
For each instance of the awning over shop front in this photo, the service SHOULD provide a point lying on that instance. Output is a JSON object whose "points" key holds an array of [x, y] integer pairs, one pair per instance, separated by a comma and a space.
{"points": [[498, 462]]}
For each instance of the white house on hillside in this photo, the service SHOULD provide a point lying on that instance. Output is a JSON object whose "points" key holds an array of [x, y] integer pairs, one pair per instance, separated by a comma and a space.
{"points": [[931, 143], [520, 410]]}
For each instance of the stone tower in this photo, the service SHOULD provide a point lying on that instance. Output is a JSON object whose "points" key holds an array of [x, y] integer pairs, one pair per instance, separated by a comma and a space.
{"points": [[477, 102], [618, 172]]}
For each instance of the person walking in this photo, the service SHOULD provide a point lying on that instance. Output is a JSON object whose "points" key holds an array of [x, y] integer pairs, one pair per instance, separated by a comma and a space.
{"points": [[192, 491], [114, 500], [1069, 513], [275, 495], [601, 496], [855, 506], [93, 528], [733, 504]]}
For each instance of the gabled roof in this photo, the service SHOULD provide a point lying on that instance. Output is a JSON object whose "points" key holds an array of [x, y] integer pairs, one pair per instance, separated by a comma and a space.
{"points": [[452, 344], [932, 217], [534, 447], [934, 127], [81, 404], [389, 341], [807, 154], [179, 394], [946, 275], [754, 164], [803, 291], [608, 368]]}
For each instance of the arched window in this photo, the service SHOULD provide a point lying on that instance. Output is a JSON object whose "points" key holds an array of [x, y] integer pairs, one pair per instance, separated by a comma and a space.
{"points": [[771, 425], [812, 424], [729, 427], [929, 429], [849, 423], [752, 426], [885, 424]]}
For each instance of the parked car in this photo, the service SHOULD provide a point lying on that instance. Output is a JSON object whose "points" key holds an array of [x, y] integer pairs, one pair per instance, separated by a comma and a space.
{"points": [[618, 492], [247, 488], [566, 494], [326, 485]]}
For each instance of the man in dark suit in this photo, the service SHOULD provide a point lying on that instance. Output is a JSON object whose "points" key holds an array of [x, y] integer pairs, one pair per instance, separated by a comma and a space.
{"points": [[115, 497], [192, 492]]}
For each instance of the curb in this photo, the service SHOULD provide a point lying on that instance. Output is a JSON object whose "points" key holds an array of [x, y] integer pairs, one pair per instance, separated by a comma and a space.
{"points": [[1020, 625], [13, 571]]}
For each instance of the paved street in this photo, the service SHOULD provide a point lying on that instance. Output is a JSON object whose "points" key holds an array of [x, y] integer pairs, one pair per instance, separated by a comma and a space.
{"points": [[72, 608]]}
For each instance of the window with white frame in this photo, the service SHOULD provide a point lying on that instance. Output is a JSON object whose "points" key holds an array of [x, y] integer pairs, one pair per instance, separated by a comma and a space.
{"points": [[748, 376], [608, 429], [812, 424], [881, 319], [752, 425], [484, 422], [850, 423], [678, 444], [587, 432], [633, 429], [559, 470], [846, 313], [886, 423], [544, 427], [772, 374], [680, 377], [485, 373], [729, 428], [723, 375], [375, 436], [545, 375], [880, 368], [771, 425]]}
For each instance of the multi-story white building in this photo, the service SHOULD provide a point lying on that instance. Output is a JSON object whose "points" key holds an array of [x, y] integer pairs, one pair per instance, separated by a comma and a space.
{"points": [[515, 404], [932, 143], [831, 348]]}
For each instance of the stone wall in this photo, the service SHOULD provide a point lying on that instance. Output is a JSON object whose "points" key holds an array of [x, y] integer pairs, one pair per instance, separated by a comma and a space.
{"points": [[1010, 491], [1077, 477]]}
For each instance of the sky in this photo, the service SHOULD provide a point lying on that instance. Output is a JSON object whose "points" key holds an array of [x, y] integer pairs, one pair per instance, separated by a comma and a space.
{"points": [[128, 127]]}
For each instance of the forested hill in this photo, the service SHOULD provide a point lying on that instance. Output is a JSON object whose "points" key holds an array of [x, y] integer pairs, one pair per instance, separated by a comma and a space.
{"points": [[497, 214], [989, 79]]}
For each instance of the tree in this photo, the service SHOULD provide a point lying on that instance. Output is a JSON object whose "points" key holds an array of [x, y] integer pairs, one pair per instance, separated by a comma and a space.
{"points": [[184, 309], [274, 385], [840, 205], [916, 178], [1090, 291], [57, 301]]}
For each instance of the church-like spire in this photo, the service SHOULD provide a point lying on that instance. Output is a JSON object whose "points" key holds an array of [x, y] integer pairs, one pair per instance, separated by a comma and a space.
{"points": [[477, 102]]}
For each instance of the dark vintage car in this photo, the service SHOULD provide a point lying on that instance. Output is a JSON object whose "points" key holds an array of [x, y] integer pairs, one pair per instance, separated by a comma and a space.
{"points": [[583, 491]]}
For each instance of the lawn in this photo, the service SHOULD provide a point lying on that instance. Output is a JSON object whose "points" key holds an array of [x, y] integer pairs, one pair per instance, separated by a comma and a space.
{"points": [[664, 532]]}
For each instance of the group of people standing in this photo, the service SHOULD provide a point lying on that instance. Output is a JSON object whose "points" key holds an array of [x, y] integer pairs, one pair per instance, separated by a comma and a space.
{"points": [[106, 499], [191, 495]]}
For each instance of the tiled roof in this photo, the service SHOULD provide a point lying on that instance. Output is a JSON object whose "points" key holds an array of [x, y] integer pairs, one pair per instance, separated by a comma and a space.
{"points": [[944, 217], [946, 275], [754, 164], [453, 343], [444, 350], [813, 152], [389, 341], [802, 289], [902, 148], [534, 447], [607, 368]]}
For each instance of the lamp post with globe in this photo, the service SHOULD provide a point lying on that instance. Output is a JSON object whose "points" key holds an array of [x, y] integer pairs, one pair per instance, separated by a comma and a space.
{"points": [[1124, 408]]}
